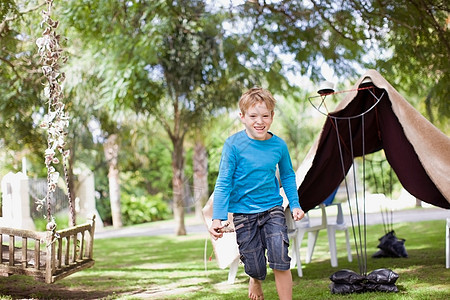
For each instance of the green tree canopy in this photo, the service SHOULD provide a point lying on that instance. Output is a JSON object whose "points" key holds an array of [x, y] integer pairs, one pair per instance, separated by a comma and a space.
{"points": [[21, 104], [408, 42]]}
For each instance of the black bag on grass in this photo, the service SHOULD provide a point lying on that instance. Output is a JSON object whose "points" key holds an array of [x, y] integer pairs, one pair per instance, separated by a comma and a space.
{"points": [[376, 287], [346, 282], [346, 276], [391, 246], [382, 276], [381, 280], [343, 288]]}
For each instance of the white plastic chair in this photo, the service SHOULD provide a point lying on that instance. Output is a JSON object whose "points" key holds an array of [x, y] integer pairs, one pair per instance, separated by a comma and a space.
{"points": [[294, 241], [300, 228], [233, 270], [304, 226]]}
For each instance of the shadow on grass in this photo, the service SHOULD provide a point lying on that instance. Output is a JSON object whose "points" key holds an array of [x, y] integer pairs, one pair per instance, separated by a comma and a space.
{"points": [[156, 267], [23, 287]]}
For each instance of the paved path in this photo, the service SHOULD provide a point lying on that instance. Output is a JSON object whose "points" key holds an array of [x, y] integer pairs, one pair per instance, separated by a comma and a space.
{"points": [[168, 228]]}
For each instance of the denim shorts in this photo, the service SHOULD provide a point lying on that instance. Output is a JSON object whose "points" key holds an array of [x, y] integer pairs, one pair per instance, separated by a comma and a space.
{"points": [[259, 232]]}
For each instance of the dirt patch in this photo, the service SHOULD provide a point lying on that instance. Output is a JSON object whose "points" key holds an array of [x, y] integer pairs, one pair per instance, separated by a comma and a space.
{"points": [[18, 288]]}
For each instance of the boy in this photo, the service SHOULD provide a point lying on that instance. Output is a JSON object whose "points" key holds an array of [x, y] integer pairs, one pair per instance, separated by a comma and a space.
{"points": [[247, 186]]}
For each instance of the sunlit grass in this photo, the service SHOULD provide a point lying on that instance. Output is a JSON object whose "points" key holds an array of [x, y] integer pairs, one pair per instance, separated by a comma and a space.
{"points": [[170, 267]]}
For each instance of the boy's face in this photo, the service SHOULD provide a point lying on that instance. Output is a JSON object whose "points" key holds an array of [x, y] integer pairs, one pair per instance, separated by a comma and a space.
{"points": [[257, 120]]}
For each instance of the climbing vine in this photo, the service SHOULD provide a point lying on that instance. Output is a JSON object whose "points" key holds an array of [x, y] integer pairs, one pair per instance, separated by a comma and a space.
{"points": [[56, 120]]}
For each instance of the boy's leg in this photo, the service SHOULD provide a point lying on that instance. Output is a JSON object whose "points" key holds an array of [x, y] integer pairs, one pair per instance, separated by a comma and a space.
{"points": [[255, 291], [283, 282], [275, 232], [252, 252]]}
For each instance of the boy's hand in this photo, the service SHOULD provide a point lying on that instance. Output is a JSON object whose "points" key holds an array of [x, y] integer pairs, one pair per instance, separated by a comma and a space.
{"points": [[215, 229], [298, 214]]}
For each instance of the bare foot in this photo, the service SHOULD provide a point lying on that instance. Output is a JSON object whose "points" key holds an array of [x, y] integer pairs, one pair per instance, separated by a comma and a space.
{"points": [[255, 291]]}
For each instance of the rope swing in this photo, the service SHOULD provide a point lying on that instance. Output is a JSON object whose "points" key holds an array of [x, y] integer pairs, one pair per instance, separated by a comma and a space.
{"points": [[68, 250]]}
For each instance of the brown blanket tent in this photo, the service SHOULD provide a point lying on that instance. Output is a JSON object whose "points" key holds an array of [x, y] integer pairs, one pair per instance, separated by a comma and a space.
{"points": [[416, 150]]}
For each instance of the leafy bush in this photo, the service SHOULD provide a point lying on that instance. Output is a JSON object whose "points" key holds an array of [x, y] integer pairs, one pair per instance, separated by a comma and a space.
{"points": [[62, 222], [143, 209]]}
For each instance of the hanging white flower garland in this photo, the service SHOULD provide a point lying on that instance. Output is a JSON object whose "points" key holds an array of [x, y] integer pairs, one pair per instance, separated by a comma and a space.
{"points": [[56, 120]]}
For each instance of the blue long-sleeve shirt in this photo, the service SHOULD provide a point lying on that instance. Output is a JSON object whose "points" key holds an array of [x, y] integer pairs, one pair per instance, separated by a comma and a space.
{"points": [[247, 181]]}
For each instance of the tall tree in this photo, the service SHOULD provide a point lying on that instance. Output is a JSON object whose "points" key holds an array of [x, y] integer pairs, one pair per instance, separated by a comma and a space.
{"points": [[200, 166], [170, 60], [114, 55], [197, 80], [112, 154]]}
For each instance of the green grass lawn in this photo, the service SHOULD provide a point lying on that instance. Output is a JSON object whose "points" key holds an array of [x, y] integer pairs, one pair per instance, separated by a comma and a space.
{"points": [[170, 267]]}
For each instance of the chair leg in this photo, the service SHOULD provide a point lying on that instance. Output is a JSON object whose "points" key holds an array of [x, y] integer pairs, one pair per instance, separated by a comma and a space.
{"points": [[295, 257], [312, 238], [293, 252], [332, 245], [233, 271]]}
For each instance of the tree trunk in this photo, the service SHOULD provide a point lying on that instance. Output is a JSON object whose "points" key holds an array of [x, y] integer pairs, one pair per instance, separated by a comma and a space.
{"points": [[418, 202], [201, 192], [178, 186], [428, 107], [111, 148], [71, 189]]}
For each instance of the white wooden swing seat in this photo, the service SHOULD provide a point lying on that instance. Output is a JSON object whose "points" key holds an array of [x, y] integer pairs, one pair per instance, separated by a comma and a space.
{"points": [[67, 251]]}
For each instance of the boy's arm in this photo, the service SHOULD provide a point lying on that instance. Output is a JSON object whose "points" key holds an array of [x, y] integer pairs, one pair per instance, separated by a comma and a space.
{"points": [[222, 189], [215, 229], [287, 177]]}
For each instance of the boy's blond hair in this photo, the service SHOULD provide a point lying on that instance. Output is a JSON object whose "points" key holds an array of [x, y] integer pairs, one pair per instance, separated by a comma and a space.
{"points": [[256, 95]]}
